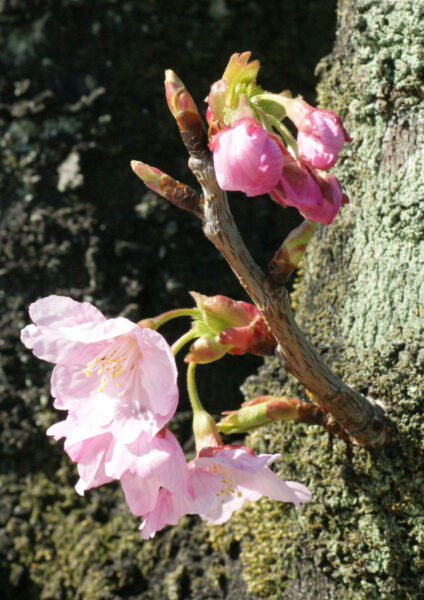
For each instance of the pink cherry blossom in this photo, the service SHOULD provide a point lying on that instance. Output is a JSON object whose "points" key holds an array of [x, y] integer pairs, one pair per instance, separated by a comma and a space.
{"points": [[246, 158], [123, 375], [223, 478], [142, 466], [321, 134]]}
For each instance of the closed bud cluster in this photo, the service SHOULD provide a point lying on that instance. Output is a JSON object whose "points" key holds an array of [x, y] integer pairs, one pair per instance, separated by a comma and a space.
{"points": [[250, 157], [226, 326]]}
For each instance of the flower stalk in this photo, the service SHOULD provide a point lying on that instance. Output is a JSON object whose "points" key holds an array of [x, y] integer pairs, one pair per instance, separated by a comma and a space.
{"points": [[182, 341], [156, 322], [205, 431]]}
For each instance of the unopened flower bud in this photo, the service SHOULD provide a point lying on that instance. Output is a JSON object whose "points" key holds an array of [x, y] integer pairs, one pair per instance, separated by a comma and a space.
{"points": [[297, 187], [151, 176], [332, 196], [290, 253], [178, 98], [246, 158], [321, 134], [317, 195], [258, 412], [225, 325]]}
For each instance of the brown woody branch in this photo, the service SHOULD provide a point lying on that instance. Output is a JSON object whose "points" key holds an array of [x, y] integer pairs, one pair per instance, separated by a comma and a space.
{"points": [[364, 421]]}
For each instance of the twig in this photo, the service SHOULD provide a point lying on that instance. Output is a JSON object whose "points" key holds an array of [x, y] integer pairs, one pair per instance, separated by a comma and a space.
{"points": [[364, 421]]}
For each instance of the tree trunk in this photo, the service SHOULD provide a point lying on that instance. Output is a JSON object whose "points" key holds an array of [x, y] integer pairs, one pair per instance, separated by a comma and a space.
{"points": [[360, 299]]}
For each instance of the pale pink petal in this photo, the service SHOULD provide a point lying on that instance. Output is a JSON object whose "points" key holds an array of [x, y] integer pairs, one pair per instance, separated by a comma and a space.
{"points": [[167, 510], [51, 313], [99, 412], [267, 483], [301, 491], [91, 467], [161, 458], [70, 331], [95, 332], [135, 412], [145, 465], [62, 311], [236, 457], [61, 429], [140, 494], [174, 473], [81, 437], [50, 344], [70, 387], [159, 372]]}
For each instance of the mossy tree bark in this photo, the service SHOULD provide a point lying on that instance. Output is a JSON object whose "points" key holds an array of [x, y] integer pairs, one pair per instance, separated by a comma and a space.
{"points": [[360, 299]]}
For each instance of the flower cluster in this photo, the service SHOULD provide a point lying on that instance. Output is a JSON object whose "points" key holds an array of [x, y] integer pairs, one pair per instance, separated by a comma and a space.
{"points": [[256, 154], [117, 381]]}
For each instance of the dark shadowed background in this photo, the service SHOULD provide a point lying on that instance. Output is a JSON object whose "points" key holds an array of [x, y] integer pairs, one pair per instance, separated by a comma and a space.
{"points": [[81, 94]]}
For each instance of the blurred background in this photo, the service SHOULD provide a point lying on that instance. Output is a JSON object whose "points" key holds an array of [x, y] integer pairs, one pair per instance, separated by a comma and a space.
{"points": [[81, 94]]}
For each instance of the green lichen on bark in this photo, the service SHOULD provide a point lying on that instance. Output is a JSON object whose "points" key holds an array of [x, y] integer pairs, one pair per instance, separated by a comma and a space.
{"points": [[359, 298], [90, 548]]}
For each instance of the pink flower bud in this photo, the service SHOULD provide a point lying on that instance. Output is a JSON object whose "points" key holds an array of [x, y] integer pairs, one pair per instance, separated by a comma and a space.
{"points": [[246, 158], [228, 326], [321, 134], [316, 195], [332, 196]]}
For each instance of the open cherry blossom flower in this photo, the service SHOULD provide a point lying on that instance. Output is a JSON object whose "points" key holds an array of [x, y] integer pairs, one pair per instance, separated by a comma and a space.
{"points": [[123, 375], [118, 382], [223, 478], [143, 466]]}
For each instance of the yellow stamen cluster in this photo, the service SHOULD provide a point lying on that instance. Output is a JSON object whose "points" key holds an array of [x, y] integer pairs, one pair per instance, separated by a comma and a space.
{"points": [[227, 488], [111, 365]]}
